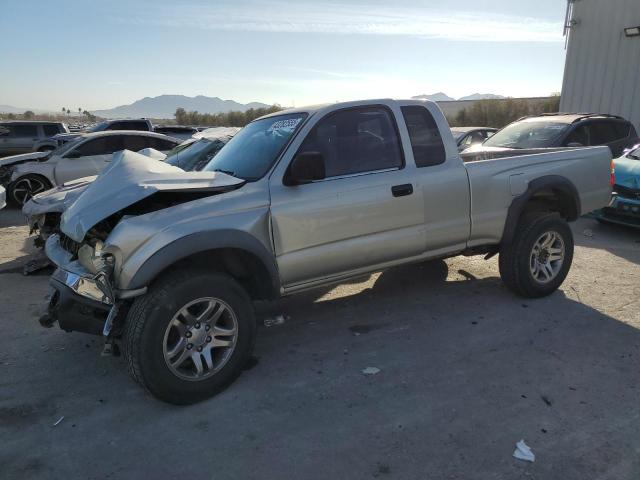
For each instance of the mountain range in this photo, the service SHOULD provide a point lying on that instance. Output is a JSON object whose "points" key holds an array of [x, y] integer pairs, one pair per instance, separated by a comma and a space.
{"points": [[443, 97], [164, 106]]}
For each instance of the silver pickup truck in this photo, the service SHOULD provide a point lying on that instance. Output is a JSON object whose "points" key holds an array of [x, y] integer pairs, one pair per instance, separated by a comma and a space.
{"points": [[168, 264]]}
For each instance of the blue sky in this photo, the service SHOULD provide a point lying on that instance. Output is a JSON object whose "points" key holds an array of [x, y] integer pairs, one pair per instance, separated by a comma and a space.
{"points": [[99, 54]]}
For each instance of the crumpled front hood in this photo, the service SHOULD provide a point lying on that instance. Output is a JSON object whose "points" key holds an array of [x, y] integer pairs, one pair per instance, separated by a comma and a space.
{"points": [[129, 178], [58, 198], [152, 153], [25, 157], [627, 172]]}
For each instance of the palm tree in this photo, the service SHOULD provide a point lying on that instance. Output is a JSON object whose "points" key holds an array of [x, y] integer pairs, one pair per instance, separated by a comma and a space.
{"points": [[79, 111], [68, 112]]}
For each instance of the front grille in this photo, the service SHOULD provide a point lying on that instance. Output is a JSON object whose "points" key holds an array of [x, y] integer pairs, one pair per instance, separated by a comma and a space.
{"points": [[69, 245], [627, 192]]}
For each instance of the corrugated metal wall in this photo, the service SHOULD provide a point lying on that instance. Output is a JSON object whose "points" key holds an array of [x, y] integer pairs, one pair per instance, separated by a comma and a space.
{"points": [[602, 68]]}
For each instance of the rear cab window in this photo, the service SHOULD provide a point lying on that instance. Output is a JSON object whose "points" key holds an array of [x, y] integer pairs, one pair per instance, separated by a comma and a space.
{"points": [[426, 141]]}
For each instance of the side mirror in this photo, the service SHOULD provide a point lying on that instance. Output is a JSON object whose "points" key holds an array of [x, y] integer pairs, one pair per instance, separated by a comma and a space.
{"points": [[574, 144], [305, 168], [73, 154]]}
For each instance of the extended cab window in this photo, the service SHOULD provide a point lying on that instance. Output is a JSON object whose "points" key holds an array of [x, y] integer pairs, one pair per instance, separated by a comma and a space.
{"points": [[356, 140], [426, 142]]}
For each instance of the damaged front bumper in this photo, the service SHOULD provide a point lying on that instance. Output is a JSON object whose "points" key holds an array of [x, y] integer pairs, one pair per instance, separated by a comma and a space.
{"points": [[81, 301], [621, 210]]}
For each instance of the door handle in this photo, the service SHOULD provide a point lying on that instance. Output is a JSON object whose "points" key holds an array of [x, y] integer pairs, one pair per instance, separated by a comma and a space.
{"points": [[402, 190]]}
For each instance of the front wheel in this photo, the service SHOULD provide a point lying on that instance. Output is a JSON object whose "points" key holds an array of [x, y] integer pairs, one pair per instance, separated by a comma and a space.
{"points": [[190, 336], [539, 257], [21, 191]]}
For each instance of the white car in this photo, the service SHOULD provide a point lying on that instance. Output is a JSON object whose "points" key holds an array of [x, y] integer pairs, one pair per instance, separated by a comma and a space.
{"points": [[84, 156]]}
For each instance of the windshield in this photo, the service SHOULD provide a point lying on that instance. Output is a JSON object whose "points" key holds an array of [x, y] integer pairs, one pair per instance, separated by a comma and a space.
{"points": [[196, 154], [251, 153], [98, 127], [457, 134], [527, 135], [635, 154]]}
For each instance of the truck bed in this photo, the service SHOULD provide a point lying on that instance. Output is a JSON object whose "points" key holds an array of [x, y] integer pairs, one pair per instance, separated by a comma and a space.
{"points": [[496, 178]]}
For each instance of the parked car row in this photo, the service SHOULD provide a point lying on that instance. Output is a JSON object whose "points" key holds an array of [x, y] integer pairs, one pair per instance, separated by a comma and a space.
{"points": [[166, 263], [44, 210], [84, 155]]}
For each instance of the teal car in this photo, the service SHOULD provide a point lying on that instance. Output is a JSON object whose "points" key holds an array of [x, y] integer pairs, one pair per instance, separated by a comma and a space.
{"points": [[624, 208]]}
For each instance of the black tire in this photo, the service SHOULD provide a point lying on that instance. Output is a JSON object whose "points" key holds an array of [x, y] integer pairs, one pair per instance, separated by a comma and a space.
{"points": [[18, 196], [149, 318], [514, 260]]}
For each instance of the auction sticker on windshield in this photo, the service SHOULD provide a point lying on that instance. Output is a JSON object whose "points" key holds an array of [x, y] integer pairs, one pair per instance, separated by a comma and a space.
{"points": [[290, 123]]}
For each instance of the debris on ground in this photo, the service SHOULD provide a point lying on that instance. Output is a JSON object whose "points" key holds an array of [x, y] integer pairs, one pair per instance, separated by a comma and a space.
{"points": [[587, 233], [371, 370], [58, 422], [39, 262], [546, 400], [273, 321], [523, 452]]}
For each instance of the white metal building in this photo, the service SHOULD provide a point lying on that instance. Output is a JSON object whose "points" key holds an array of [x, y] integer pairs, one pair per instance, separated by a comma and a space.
{"points": [[602, 68]]}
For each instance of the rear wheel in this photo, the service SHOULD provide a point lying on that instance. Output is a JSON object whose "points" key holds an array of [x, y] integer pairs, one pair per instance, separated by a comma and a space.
{"points": [[538, 259], [190, 336], [21, 191]]}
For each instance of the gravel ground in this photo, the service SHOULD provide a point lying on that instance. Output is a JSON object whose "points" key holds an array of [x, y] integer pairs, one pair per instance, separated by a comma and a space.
{"points": [[466, 370]]}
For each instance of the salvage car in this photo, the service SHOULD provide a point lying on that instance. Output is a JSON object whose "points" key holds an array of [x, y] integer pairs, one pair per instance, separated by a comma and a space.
{"points": [[467, 137], [551, 130], [23, 136], [43, 211], [29, 174], [168, 264], [55, 141], [624, 208]]}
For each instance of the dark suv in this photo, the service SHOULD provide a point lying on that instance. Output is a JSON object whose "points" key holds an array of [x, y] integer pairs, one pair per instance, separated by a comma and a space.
{"points": [[139, 124], [564, 130], [22, 136]]}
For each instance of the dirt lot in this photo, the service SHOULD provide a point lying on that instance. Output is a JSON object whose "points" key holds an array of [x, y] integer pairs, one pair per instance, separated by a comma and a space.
{"points": [[466, 370]]}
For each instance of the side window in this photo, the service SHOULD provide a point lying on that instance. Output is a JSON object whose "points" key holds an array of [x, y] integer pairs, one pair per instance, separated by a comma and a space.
{"points": [[356, 140], [101, 146], [140, 126], [136, 142], [622, 129], [4, 130], [50, 130], [23, 131], [426, 142], [602, 132], [161, 144], [579, 135]]}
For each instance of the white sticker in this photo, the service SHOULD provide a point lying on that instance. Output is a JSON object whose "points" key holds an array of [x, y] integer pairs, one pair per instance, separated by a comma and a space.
{"points": [[284, 124]]}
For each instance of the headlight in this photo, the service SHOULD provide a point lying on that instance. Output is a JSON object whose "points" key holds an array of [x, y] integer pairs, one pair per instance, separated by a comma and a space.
{"points": [[94, 260]]}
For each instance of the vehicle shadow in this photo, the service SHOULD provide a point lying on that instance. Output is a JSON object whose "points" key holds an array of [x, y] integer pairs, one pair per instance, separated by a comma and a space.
{"points": [[622, 241], [465, 370]]}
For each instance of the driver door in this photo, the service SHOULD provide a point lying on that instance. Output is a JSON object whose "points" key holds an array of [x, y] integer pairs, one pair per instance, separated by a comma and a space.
{"points": [[88, 158]]}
